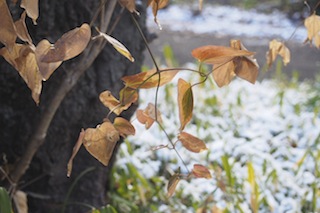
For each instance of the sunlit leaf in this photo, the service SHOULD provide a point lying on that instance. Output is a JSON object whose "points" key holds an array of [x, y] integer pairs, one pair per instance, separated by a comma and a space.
{"points": [[149, 79], [312, 23], [218, 54], [277, 48], [8, 34], [191, 142], [21, 202], [46, 69], [23, 59], [100, 141], [69, 45], [172, 184], [118, 46], [185, 102], [148, 115], [201, 171], [124, 127], [32, 8], [22, 30]]}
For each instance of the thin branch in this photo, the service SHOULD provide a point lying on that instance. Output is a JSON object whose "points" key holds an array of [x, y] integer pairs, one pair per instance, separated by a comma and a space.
{"points": [[76, 71]]}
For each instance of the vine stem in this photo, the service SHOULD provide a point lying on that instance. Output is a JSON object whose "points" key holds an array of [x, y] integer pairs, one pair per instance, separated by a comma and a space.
{"points": [[76, 71]]}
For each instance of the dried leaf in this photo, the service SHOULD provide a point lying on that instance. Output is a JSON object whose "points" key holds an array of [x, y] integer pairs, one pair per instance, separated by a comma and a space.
{"points": [[201, 171], [157, 5], [124, 127], [128, 96], [148, 115], [23, 59], [185, 102], [69, 45], [218, 54], [21, 29], [46, 69], [32, 8], [21, 201], [74, 152], [149, 79], [277, 48], [191, 143], [172, 184], [129, 4], [8, 34], [118, 46], [312, 23], [223, 73], [100, 141]]}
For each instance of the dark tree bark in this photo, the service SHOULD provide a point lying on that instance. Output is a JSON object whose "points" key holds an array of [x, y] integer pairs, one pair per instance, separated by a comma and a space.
{"points": [[45, 181]]}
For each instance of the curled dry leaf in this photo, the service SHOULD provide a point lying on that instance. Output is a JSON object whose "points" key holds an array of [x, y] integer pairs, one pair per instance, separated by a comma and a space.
{"points": [[191, 142], [277, 48], [21, 201], [129, 4], [118, 46], [201, 171], [172, 184], [23, 59], [100, 141], [22, 30], [157, 5], [312, 23], [8, 34], [185, 102], [32, 8], [124, 127], [149, 79], [148, 115], [224, 73], [74, 152], [46, 68], [128, 96], [69, 45]]}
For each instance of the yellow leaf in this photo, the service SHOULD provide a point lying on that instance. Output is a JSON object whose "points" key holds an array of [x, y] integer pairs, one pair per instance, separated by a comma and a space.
{"points": [[277, 48], [45, 68], [23, 59], [185, 102], [22, 30], [32, 8], [192, 143], [100, 141], [8, 34], [124, 127], [172, 184], [149, 79], [312, 23], [218, 54], [201, 171], [69, 45]]}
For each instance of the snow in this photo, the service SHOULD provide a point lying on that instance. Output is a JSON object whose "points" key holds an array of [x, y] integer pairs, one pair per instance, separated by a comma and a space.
{"points": [[227, 20]]}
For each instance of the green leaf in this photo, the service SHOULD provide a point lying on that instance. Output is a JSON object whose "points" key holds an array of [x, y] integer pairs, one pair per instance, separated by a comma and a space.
{"points": [[5, 201], [185, 102]]}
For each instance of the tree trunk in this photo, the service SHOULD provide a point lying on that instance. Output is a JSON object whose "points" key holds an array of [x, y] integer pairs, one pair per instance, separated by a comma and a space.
{"points": [[45, 182]]}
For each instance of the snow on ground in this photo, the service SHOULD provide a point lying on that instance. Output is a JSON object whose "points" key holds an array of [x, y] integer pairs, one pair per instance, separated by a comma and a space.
{"points": [[227, 20], [266, 124]]}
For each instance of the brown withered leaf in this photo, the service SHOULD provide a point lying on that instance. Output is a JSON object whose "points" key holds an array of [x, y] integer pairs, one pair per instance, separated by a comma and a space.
{"points": [[100, 141], [149, 79], [277, 48], [111, 102], [23, 59], [157, 5], [118, 46], [172, 184], [46, 69], [312, 23], [21, 29], [74, 152], [201, 171], [69, 45], [191, 142], [32, 9], [8, 34], [185, 102], [20, 201], [148, 115], [224, 73], [124, 127], [127, 97], [218, 54], [246, 67], [129, 5]]}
